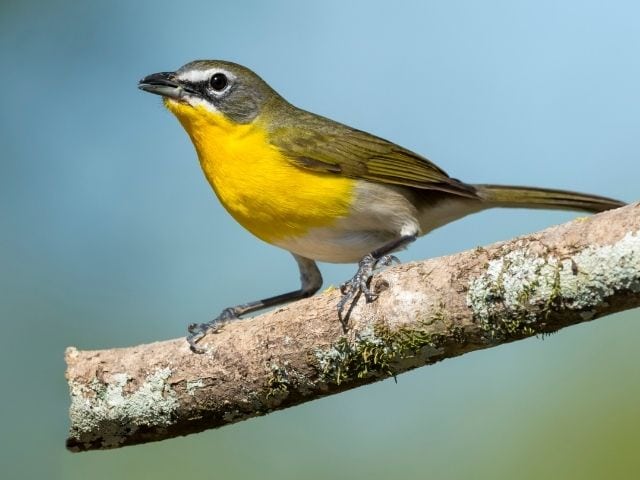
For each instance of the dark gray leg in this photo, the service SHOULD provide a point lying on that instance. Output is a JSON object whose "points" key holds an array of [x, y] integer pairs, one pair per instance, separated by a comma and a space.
{"points": [[359, 284], [310, 283]]}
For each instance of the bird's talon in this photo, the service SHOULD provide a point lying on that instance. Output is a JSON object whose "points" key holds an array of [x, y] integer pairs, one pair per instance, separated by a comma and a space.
{"points": [[387, 261], [370, 297], [358, 284], [227, 314], [195, 336], [197, 331]]}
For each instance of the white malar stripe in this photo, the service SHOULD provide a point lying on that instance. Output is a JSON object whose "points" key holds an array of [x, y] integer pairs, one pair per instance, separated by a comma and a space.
{"points": [[199, 102]]}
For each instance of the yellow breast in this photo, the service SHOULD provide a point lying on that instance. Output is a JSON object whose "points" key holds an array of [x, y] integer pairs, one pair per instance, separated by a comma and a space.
{"points": [[265, 193]]}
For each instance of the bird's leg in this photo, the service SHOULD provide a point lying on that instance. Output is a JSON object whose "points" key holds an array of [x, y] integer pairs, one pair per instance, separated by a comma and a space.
{"points": [[310, 280], [359, 284]]}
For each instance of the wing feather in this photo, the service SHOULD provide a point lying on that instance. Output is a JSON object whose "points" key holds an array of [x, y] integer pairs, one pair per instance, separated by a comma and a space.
{"points": [[319, 144]]}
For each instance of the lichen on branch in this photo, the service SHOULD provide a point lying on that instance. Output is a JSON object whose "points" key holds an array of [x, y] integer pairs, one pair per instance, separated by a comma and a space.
{"points": [[426, 312]]}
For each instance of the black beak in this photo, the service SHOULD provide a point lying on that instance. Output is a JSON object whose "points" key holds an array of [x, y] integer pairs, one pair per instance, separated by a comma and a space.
{"points": [[164, 84]]}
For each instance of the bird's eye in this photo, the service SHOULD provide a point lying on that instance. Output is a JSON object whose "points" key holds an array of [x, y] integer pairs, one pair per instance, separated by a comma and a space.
{"points": [[218, 81]]}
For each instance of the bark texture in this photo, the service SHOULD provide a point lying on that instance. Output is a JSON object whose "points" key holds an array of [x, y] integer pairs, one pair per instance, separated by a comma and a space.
{"points": [[426, 311]]}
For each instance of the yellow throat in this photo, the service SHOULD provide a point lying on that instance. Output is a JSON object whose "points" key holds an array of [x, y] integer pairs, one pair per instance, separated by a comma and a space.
{"points": [[259, 187]]}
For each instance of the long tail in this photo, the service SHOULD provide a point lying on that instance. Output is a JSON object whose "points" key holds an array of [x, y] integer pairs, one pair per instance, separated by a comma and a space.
{"points": [[528, 197]]}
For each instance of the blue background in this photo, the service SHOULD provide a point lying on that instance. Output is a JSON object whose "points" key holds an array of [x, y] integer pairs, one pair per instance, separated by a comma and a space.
{"points": [[110, 236]]}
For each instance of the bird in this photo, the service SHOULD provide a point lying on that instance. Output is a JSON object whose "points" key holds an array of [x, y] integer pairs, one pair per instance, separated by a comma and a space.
{"points": [[317, 188]]}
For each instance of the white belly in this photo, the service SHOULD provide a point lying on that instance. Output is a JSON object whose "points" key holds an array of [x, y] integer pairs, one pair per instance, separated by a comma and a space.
{"points": [[336, 245], [378, 215]]}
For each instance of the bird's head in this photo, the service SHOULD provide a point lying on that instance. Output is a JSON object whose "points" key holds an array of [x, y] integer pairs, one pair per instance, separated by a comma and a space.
{"points": [[211, 88]]}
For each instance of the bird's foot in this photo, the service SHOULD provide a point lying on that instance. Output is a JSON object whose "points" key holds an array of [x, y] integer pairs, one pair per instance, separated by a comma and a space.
{"points": [[359, 284], [198, 330]]}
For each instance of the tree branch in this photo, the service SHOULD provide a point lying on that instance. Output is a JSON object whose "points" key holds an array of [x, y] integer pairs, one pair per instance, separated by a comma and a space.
{"points": [[427, 311]]}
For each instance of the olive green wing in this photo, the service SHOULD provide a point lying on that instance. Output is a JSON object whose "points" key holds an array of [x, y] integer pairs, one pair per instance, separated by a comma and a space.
{"points": [[322, 145]]}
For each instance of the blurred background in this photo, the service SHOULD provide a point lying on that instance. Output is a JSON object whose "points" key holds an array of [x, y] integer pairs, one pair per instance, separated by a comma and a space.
{"points": [[110, 236]]}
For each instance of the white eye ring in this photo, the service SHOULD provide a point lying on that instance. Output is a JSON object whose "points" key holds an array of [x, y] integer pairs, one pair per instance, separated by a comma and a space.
{"points": [[218, 82]]}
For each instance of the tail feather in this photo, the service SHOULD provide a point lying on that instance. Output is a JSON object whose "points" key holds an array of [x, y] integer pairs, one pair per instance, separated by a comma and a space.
{"points": [[544, 198]]}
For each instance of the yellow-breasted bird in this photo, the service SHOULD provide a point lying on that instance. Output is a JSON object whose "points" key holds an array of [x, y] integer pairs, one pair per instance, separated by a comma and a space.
{"points": [[319, 189]]}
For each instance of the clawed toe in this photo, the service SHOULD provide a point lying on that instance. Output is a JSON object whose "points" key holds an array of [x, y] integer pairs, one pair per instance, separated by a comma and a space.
{"points": [[359, 284], [386, 261], [197, 331]]}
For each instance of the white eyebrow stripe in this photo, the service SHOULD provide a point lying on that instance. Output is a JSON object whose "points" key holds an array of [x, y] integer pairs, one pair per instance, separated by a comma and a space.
{"points": [[196, 76]]}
